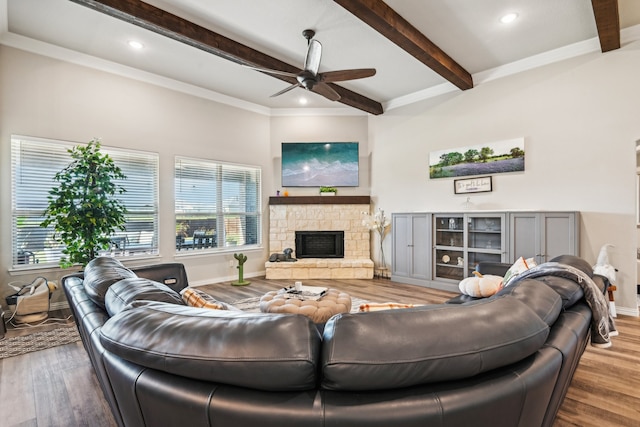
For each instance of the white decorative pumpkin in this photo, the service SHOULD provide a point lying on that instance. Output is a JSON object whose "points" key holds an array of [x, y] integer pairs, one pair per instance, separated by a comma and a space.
{"points": [[480, 285]]}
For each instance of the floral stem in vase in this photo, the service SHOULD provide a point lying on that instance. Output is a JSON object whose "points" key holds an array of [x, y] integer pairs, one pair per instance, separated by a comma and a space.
{"points": [[380, 223], [383, 263]]}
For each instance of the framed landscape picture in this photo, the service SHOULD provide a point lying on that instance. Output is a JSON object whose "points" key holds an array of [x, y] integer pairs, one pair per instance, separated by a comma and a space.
{"points": [[316, 164], [486, 159]]}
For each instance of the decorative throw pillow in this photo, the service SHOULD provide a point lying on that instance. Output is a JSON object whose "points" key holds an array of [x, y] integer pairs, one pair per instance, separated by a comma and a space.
{"points": [[376, 306], [521, 265], [197, 298]]}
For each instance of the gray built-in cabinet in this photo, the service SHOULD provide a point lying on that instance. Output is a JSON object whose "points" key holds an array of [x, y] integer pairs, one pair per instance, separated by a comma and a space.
{"points": [[411, 247], [543, 235], [440, 249]]}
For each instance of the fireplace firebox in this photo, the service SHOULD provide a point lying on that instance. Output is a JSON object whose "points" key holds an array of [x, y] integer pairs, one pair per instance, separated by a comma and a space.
{"points": [[319, 244]]}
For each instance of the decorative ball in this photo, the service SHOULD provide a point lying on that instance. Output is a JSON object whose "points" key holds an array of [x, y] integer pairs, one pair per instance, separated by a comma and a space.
{"points": [[480, 286]]}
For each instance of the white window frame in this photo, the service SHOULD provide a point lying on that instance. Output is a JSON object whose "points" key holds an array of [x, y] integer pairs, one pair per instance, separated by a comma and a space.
{"points": [[205, 224], [35, 161]]}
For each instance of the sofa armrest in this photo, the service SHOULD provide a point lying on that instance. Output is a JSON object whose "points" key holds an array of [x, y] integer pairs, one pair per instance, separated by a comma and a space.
{"points": [[173, 275]]}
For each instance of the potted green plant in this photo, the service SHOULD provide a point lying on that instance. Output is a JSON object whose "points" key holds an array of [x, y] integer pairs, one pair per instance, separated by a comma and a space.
{"points": [[328, 191], [83, 207]]}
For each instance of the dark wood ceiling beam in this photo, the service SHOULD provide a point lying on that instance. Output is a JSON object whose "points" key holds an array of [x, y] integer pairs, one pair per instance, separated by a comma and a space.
{"points": [[378, 15], [159, 21], [608, 23]]}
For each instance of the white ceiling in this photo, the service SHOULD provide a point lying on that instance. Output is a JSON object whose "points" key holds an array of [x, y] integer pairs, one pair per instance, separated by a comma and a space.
{"points": [[469, 31]]}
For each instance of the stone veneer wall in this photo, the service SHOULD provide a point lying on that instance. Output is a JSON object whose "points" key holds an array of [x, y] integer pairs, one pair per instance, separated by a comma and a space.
{"points": [[286, 219]]}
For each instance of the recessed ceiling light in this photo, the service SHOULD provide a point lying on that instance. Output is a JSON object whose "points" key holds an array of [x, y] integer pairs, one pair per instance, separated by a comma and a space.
{"points": [[508, 18], [302, 100], [135, 44]]}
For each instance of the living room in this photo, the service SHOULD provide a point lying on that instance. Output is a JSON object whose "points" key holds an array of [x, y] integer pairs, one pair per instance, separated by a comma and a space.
{"points": [[577, 118]]}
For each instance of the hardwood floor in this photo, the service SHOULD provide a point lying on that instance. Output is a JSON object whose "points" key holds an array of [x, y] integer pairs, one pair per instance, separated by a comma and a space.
{"points": [[57, 387]]}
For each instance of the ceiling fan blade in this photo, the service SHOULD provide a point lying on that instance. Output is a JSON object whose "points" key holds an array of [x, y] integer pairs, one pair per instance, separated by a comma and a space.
{"points": [[343, 75], [269, 71], [326, 91], [312, 60], [285, 90]]}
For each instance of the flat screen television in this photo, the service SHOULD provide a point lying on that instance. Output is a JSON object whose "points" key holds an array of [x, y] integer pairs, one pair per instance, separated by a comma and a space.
{"points": [[316, 164]]}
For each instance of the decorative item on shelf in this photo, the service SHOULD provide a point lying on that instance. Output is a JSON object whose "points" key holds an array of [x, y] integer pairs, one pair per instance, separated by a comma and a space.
{"points": [[380, 223], [278, 193], [467, 204], [286, 193], [241, 260], [328, 191]]}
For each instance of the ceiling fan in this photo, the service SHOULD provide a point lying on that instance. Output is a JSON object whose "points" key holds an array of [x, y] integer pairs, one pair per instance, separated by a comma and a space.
{"points": [[309, 78]]}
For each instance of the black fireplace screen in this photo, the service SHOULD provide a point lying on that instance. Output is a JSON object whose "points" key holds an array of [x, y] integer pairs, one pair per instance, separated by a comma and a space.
{"points": [[319, 244]]}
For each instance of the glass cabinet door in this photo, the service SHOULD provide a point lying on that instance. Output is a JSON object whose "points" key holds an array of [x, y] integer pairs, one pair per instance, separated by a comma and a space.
{"points": [[449, 247], [485, 239]]}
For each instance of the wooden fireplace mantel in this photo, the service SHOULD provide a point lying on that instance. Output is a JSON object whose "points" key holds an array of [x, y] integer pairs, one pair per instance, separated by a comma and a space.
{"points": [[320, 200]]}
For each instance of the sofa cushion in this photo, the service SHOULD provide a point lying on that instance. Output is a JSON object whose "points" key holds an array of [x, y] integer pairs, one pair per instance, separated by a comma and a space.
{"points": [[576, 262], [102, 272], [569, 291], [537, 296], [401, 348], [255, 350], [122, 293]]}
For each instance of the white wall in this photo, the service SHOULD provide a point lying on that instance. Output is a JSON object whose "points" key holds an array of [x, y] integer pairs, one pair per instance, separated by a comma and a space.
{"points": [[48, 98], [580, 122]]}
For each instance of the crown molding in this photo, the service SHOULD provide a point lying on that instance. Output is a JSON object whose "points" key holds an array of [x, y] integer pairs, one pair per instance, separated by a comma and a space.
{"points": [[627, 35], [56, 52]]}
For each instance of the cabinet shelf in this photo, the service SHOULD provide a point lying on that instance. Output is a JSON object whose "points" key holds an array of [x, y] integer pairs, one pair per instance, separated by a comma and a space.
{"points": [[475, 238], [440, 264], [484, 251]]}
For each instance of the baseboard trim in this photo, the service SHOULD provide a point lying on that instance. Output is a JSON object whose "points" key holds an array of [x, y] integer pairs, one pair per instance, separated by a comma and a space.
{"points": [[628, 311], [224, 279]]}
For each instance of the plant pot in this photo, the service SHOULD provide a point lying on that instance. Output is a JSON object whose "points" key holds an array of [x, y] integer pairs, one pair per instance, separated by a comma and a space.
{"points": [[327, 194]]}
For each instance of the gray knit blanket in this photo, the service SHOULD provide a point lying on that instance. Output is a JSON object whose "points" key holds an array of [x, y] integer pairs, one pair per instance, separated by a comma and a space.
{"points": [[602, 324]]}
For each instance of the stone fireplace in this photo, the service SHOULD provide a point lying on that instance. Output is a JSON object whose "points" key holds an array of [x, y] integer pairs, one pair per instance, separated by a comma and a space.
{"points": [[342, 214]]}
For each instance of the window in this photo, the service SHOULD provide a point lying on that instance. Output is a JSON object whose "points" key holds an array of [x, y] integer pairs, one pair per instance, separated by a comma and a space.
{"points": [[34, 162], [217, 205]]}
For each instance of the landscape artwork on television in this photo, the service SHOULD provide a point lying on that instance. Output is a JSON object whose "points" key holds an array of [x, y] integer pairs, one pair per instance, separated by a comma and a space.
{"points": [[486, 159], [315, 164]]}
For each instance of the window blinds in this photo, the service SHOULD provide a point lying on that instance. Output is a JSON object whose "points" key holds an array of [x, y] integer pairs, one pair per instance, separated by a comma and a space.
{"points": [[217, 202], [35, 161]]}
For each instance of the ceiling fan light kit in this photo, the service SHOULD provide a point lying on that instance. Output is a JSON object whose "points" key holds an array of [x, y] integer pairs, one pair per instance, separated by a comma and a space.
{"points": [[310, 79]]}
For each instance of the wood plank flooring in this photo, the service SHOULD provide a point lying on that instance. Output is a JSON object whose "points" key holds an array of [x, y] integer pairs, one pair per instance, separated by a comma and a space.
{"points": [[57, 387]]}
